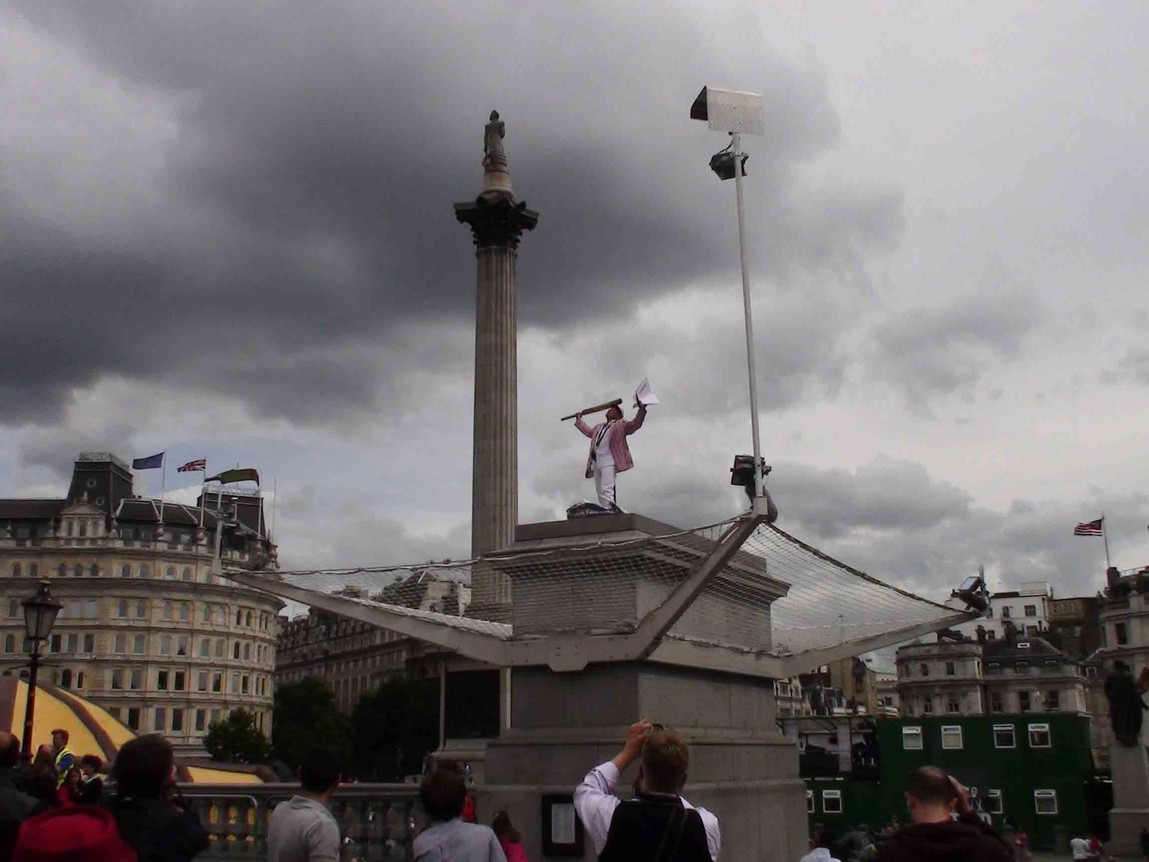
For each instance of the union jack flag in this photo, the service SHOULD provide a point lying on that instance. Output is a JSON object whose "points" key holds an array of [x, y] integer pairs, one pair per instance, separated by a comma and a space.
{"points": [[198, 465]]}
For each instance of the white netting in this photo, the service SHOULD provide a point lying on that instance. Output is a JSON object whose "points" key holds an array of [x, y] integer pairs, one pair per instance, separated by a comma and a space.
{"points": [[775, 595]]}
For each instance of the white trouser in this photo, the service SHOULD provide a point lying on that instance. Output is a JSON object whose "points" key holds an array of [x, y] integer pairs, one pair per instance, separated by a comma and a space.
{"points": [[604, 486]]}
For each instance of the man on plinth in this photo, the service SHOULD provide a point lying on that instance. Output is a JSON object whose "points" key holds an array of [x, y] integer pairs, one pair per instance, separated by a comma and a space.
{"points": [[609, 451]]}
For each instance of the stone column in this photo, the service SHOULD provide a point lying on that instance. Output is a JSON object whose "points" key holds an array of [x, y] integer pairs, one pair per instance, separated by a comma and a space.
{"points": [[497, 222], [1129, 768]]}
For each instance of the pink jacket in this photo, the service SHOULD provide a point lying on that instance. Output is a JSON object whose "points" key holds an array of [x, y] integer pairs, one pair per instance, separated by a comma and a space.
{"points": [[513, 850], [619, 449]]}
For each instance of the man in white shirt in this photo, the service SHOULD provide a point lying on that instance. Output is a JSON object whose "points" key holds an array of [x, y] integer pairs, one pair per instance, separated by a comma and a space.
{"points": [[1079, 847], [302, 829], [820, 851], [633, 830]]}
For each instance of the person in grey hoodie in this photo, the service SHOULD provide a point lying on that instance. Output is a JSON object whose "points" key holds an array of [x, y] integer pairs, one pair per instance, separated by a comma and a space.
{"points": [[448, 838], [302, 829]]}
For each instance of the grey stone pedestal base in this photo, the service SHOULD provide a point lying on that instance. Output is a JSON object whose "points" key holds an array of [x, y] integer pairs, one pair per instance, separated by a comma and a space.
{"points": [[1130, 813], [741, 768]]}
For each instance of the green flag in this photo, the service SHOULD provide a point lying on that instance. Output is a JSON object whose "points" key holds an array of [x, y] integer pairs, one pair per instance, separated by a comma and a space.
{"points": [[240, 474]]}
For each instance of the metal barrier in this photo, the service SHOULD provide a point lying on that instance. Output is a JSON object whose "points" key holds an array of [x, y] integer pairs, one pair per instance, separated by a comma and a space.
{"points": [[376, 821]]}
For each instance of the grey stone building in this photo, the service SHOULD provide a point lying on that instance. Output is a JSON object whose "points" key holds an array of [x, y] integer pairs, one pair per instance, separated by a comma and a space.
{"points": [[147, 632]]}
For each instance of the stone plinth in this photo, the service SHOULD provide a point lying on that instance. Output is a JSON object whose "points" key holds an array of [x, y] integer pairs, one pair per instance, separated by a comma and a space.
{"points": [[610, 586], [1129, 769], [741, 767]]}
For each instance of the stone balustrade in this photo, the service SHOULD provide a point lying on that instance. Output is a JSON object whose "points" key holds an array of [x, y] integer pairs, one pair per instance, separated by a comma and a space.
{"points": [[377, 821]]}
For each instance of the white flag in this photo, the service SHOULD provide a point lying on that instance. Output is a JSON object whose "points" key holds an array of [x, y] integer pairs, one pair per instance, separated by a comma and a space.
{"points": [[644, 395]]}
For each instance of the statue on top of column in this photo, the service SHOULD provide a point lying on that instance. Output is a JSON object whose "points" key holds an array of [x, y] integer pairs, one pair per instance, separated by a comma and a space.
{"points": [[493, 134], [496, 175]]}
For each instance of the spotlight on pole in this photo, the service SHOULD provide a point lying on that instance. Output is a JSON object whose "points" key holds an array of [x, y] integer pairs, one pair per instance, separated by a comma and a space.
{"points": [[737, 112]]}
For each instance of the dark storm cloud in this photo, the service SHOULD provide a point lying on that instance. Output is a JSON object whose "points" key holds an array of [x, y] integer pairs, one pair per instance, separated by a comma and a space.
{"points": [[304, 211]]}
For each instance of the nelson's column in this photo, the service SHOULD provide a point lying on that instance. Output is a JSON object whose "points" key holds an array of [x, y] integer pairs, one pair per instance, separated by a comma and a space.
{"points": [[497, 221]]}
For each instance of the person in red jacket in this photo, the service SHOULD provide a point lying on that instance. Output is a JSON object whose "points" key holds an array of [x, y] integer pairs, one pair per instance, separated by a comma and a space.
{"points": [[509, 838], [932, 796]]}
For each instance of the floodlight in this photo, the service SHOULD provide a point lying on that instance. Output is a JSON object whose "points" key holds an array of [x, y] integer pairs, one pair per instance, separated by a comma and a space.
{"points": [[730, 111], [723, 164], [973, 593]]}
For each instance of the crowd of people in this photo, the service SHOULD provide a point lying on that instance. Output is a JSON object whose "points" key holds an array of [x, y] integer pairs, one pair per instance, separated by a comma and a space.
{"points": [[55, 809]]}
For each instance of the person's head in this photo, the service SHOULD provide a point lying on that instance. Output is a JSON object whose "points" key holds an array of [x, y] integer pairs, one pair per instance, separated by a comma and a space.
{"points": [[59, 738], [665, 758], [443, 793], [614, 412], [319, 770], [44, 757], [825, 838], [9, 750], [90, 764], [72, 779], [929, 795], [502, 826], [449, 764], [41, 782], [145, 767]]}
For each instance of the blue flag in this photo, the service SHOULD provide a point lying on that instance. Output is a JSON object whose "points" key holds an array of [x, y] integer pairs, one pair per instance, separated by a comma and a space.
{"points": [[153, 462]]}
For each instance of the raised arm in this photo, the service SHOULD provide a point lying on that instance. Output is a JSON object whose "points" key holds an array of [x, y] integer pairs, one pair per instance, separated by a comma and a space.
{"points": [[594, 799], [634, 424], [586, 430]]}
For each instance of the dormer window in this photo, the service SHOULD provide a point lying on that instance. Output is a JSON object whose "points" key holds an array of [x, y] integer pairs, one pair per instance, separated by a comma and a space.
{"points": [[1023, 644]]}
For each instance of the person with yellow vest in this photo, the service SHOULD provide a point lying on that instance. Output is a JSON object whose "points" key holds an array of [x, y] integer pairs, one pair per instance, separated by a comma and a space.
{"points": [[65, 759]]}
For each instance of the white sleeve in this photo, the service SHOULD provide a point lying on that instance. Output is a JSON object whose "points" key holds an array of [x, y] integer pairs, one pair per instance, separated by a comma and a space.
{"points": [[595, 802], [713, 831]]}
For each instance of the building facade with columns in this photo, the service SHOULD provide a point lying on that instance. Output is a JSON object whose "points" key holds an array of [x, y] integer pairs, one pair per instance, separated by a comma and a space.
{"points": [[147, 632]]}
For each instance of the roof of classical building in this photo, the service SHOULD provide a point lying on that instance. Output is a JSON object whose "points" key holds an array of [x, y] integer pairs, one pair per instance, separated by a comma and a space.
{"points": [[1022, 649], [93, 730], [30, 510]]}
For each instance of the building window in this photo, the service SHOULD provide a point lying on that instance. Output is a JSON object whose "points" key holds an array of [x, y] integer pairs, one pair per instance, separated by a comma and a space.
{"points": [[928, 704], [991, 635], [16, 570], [952, 704], [205, 648], [162, 680], [1023, 701], [179, 681], [1122, 634], [56, 644], [217, 683], [139, 644], [831, 801], [219, 648], [951, 669], [166, 645], [117, 680], [125, 571], [912, 737], [122, 609], [145, 570], [185, 612], [170, 574], [121, 644], [201, 681], [133, 718], [1039, 736], [187, 574], [89, 644], [924, 669], [66, 678], [201, 723], [177, 720], [235, 650], [1005, 612], [141, 610], [167, 613], [1004, 736], [206, 614], [182, 645], [951, 736], [1045, 801], [991, 802], [244, 683], [247, 652], [160, 719], [1053, 700], [10, 644], [1031, 610], [136, 679]]}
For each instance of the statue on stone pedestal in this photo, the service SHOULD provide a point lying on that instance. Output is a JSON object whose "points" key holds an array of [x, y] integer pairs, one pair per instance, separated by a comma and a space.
{"points": [[1125, 704], [493, 134]]}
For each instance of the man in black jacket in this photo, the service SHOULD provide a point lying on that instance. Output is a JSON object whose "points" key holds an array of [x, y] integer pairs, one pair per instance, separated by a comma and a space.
{"points": [[15, 805], [148, 809], [933, 835]]}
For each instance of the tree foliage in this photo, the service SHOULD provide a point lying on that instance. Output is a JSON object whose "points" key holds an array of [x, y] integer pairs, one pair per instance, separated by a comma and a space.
{"points": [[394, 727], [305, 714], [237, 739]]}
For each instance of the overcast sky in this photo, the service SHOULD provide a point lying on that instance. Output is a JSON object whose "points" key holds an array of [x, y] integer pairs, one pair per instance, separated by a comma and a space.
{"points": [[226, 231]]}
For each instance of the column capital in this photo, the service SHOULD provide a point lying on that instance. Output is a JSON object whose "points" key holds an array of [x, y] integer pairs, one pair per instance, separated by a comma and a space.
{"points": [[496, 220]]}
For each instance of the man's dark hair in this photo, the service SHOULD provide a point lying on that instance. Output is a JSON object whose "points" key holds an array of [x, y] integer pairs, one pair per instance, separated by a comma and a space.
{"points": [[144, 767], [931, 785], [9, 750], [319, 769], [826, 838], [59, 731], [92, 761], [664, 760], [443, 793]]}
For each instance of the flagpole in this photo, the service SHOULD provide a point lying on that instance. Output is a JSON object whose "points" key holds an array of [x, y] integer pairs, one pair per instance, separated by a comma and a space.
{"points": [[203, 493], [274, 502], [163, 485], [259, 524], [1105, 540]]}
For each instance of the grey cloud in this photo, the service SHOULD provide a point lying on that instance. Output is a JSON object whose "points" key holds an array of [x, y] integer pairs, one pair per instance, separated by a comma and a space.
{"points": [[1133, 367], [305, 199]]}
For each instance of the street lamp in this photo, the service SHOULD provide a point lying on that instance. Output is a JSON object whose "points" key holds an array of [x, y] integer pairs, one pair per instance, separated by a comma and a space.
{"points": [[737, 113], [40, 613]]}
